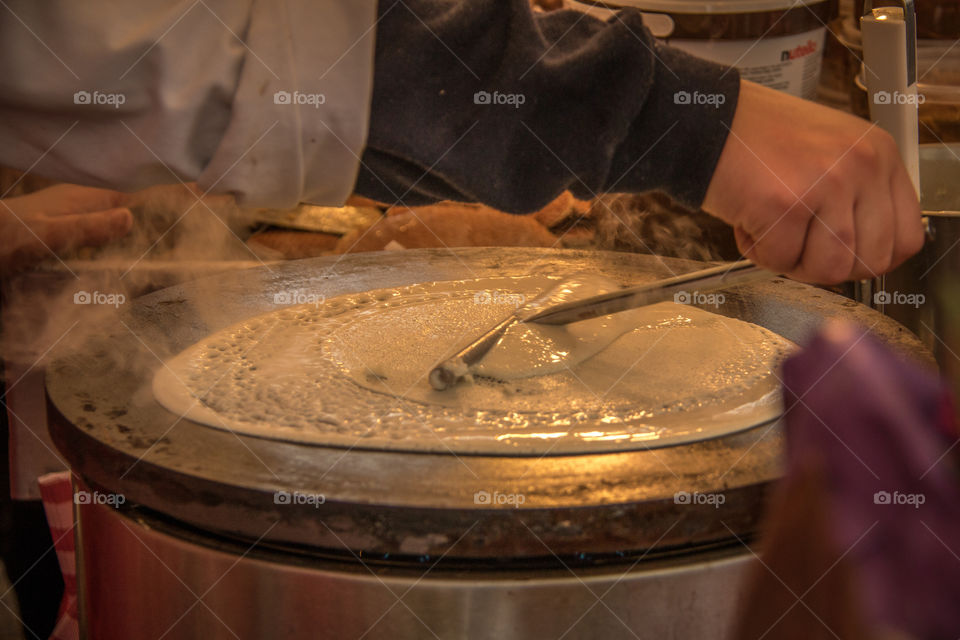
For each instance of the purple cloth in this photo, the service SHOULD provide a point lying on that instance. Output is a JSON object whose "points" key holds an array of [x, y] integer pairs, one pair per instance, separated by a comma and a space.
{"points": [[881, 430]]}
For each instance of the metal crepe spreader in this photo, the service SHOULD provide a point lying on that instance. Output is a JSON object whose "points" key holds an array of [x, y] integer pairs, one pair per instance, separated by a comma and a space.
{"points": [[451, 371]]}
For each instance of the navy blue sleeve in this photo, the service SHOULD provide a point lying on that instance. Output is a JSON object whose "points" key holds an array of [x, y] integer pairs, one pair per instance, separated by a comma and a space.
{"points": [[487, 101]]}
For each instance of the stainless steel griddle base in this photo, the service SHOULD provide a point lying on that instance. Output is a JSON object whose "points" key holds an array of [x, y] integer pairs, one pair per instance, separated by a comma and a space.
{"points": [[105, 421], [190, 586]]}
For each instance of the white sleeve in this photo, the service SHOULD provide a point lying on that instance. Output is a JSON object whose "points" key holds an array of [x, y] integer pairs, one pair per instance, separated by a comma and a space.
{"points": [[268, 100]]}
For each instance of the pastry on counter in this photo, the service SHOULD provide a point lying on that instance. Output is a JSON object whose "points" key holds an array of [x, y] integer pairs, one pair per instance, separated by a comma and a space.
{"points": [[653, 222], [448, 225], [283, 244]]}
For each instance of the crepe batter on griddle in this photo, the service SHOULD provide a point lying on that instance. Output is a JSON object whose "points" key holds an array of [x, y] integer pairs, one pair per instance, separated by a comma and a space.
{"points": [[527, 350], [352, 371]]}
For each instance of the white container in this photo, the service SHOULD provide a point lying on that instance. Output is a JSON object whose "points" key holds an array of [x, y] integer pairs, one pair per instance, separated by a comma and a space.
{"points": [[776, 43]]}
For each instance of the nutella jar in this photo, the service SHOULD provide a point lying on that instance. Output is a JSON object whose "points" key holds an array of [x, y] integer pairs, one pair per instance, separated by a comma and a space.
{"points": [[776, 43]]}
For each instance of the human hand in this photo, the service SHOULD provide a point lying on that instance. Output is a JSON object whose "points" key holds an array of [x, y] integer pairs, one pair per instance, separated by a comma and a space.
{"points": [[58, 219], [813, 193]]}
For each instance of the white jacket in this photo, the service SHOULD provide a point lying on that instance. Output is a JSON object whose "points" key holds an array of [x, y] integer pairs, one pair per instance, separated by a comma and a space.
{"points": [[266, 99]]}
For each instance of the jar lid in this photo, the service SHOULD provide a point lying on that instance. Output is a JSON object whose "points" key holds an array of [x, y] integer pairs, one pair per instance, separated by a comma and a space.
{"points": [[700, 6]]}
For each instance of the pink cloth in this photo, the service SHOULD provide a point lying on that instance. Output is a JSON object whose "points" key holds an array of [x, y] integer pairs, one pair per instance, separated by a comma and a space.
{"points": [[56, 490]]}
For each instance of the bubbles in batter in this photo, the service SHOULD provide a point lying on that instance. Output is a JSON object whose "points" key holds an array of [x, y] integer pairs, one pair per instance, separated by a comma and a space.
{"points": [[353, 372]]}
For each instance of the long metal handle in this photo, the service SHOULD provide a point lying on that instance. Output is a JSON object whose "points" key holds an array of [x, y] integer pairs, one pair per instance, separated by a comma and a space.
{"points": [[679, 288], [447, 373], [450, 371]]}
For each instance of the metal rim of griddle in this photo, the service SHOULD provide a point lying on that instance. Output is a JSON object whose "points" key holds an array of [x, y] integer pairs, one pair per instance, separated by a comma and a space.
{"points": [[104, 420]]}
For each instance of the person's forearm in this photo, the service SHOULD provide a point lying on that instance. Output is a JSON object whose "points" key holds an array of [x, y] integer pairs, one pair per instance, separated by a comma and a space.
{"points": [[488, 102]]}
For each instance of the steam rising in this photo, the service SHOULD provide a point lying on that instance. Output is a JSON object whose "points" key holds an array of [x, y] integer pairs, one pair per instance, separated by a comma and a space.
{"points": [[62, 305]]}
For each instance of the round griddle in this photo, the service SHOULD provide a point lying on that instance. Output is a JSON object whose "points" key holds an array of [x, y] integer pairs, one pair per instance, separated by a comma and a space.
{"points": [[386, 504]]}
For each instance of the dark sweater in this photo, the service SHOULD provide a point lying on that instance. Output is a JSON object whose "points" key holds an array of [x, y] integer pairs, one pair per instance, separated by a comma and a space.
{"points": [[598, 110]]}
